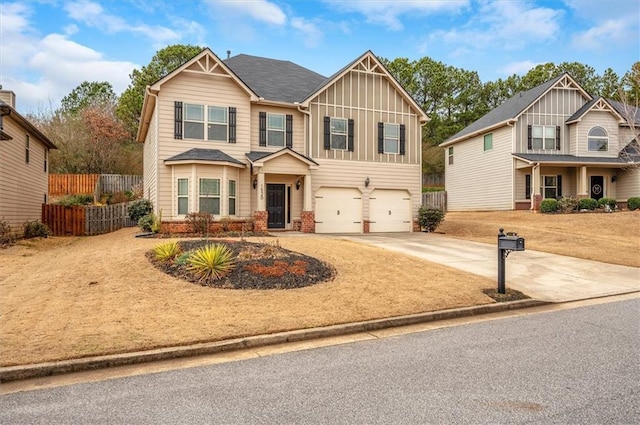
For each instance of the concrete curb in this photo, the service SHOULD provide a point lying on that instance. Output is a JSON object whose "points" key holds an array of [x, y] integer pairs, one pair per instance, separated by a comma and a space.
{"points": [[15, 373]]}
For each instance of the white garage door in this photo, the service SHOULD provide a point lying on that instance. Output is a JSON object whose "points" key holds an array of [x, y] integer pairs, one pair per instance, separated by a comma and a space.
{"points": [[390, 211], [338, 210]]}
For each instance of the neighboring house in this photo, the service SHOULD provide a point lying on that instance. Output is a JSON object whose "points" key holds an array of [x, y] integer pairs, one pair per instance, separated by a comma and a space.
{"points": [[263, 139], [551, 141], [24, 169]]}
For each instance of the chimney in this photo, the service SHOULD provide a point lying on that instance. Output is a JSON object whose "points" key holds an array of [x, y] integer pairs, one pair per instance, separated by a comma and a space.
{"points": [[8, 97], [228, 54]]}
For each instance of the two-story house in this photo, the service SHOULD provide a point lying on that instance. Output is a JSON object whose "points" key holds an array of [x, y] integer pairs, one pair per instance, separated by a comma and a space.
{"points": [[251, 137], [24, 169], [551, 141]]}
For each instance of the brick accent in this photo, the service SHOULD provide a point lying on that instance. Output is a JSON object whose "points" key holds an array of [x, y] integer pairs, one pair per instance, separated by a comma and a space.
{"points": [[523, 206], [416, 226], [297, 224], [260, 221], [308, 222], [176, 227], [366, 226], [537, 200]]}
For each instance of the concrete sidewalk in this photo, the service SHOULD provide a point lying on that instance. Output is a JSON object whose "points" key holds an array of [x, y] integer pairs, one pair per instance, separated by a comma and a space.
{"points": [[542, 276]]}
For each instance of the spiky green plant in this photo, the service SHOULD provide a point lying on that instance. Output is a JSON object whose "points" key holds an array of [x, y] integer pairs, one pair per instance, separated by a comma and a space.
{"points": [[211, 262], [166, 251]]}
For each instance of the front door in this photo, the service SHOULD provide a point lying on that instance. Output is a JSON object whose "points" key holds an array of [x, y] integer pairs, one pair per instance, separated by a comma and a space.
{"points": [[597, 187], [275, 206]]}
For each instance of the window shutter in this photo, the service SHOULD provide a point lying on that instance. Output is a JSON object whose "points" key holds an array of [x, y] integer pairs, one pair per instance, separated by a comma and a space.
{"points": [[557, 137], [350, 136], [263, 129], [232, 124], [177, 133], [327, 133], [527, 186], [380, 137], [289, 131], [559, 182], [529, 144], [402, 139]]}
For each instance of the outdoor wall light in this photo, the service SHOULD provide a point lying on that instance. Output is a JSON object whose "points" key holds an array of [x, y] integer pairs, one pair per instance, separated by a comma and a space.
{"points": [[366, 182], [298, 184], [614, 178], [255, 182]]}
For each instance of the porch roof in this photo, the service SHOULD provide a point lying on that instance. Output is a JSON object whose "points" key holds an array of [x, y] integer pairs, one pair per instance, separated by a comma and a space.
{"points": [[203, 155], [572, 159], [257, 156]]}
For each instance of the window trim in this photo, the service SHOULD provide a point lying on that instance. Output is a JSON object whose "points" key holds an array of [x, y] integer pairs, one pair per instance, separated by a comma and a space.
{"points": [[206, 122], [206, 196], [178, 195], [232, 196], [488, 146], [450, 155], [545, 187], [601, 138], [269, 129], [386, 138], [225, 123]]}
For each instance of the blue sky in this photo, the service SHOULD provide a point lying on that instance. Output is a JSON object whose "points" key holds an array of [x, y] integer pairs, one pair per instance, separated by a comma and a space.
{"points": [[48, 47]]}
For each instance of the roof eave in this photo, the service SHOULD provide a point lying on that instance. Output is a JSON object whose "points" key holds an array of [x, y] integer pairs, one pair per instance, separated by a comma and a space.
{"points": [[202, 161], [477, 133]]}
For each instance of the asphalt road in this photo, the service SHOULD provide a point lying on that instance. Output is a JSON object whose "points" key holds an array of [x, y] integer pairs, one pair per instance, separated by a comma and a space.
{"points": [[576, 366]]}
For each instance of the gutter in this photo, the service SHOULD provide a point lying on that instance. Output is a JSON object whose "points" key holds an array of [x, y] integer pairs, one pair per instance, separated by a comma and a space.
{"points": [[307, 131], [509, 122]]}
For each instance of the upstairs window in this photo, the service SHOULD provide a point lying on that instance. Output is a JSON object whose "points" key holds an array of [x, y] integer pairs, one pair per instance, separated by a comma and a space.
{"points": [[338, 133], [275, 130], [391, 138], [450, 154], [488, 142], [219, 122], [545, 137], [598, 140], [193, 121]]}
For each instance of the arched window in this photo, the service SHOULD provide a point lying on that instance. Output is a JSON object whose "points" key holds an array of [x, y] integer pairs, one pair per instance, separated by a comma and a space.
{"points": [[598, 139]]}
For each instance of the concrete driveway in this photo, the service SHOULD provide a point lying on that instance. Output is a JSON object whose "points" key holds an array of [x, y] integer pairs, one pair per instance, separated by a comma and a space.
{"points": [[540, 275]]}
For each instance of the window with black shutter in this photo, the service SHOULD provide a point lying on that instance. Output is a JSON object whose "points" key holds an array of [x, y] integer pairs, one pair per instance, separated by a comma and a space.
{"points": [[327, 133], [350, 136], [263, 129], [177, 132], [232, 124], [529, 135], [402, 139], [559, 186], [527, 186], [289, 131], [380, 137], [557, 137]]}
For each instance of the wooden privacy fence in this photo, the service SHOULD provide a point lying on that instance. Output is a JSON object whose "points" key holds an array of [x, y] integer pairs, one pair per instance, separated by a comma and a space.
{"points": [[86, 220], [72, 184], [112, 183], [435, 200]]}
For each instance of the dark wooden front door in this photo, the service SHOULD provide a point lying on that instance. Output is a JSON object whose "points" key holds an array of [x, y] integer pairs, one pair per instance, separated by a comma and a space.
{"points": [[597, 187], [275, 206]]}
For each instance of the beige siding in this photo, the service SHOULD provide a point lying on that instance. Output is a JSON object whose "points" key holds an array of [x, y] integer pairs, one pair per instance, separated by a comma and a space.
{"points": [[479, 179], [298, 128], [22, 186], [367, 98], [151, 162], [628, 184], [333, 173], [601, 119]]}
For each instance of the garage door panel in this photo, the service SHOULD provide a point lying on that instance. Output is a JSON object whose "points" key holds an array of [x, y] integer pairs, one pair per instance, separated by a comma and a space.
{"points": [[390, 211], [338, 210]]}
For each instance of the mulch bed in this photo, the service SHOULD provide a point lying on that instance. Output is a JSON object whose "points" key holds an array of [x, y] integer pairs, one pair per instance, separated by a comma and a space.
{"points": [[509, 295], [257, 266]]}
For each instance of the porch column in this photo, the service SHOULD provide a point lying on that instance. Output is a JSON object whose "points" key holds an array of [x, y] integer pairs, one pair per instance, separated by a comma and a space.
{"points": [[583, 186], [308, 224], [260, 193], [307, 193], [260, 216], [536, 195]]}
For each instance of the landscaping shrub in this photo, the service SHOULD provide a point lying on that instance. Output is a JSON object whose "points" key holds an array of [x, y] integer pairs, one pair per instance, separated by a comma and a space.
{"points": [[211, 261], [166, 251], [73, 200], [549, 205], [633, 203], [587, 204], [602, 202], [146, 222], [6, 237], [200, 222], [156, 224], [139, 209], [567, 204], [430, 218], [35, 229]]}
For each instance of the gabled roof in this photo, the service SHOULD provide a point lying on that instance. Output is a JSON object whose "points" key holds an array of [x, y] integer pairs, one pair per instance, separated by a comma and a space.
{"points": [[510, 110], [272, 79], [256, 157], [6, 110], [628, 112], [203, 155], [599, 104], [571, 159]]}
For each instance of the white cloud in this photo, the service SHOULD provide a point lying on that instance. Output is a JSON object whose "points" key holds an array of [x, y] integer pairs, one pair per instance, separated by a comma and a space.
{"points": [[312, 35], [389, 12], [519, 68], [258, 10]]}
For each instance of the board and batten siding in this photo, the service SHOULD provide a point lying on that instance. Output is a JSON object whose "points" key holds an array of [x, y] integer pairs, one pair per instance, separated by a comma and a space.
{"points": [[553, 109], [22, 186], [334, 173], [151, 162], [367, 98], [479, 179]]}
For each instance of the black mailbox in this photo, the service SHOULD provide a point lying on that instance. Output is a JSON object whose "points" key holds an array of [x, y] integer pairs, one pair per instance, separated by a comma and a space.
{"points": [[513, 243]]}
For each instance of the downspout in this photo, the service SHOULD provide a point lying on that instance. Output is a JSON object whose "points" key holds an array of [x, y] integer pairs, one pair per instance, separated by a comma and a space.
{"points": [[307, 130]]}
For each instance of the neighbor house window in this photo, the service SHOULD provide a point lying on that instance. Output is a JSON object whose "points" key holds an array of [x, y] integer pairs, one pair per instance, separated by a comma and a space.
{"points": [[543, 137], [488, 142], [550, 186], [46, 158], [391, 138], [338, 133], [183, 196], [209, 196], [26, 149], [451, 155], [598, 139], [275, 130], [232, 197]]}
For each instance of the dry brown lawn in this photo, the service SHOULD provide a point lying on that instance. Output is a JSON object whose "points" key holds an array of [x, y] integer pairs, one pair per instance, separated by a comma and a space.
{"points": [[73, 297]]}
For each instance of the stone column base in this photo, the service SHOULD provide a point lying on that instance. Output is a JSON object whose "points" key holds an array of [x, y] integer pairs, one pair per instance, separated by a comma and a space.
{"points": [[308, 219], [260, 221], [537, 200]]}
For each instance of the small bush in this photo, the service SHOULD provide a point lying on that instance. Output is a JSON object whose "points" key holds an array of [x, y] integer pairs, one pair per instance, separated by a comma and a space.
{"points": [[183, 259], [430, 218], [120, 197], [567, 205], [35, 229], [139, 209], [633, 203], [146, 222], [6, 236], [225, 224], [587, 204], [156, 224], [166, 251], [549, 205], [200, 222], [73, 200], [602, 202], [211, 262]]}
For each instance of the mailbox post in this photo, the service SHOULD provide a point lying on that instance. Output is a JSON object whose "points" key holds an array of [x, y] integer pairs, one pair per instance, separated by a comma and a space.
{"points": [[506, 243]]}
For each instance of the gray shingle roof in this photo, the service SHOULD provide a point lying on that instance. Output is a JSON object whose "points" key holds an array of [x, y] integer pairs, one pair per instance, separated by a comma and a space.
{"points": [[570, 159], [583, 110], [197, 154], [627, 111], [510, 109], [273, 79]]}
